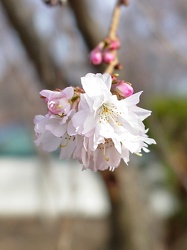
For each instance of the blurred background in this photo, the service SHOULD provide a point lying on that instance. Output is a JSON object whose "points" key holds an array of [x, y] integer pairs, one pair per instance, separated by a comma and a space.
{"points": [[50, 204]]}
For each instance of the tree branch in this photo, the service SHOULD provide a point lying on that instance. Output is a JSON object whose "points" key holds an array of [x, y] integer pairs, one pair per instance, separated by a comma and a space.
{"points": [[112, 34], [86, 23], [21, 18]]}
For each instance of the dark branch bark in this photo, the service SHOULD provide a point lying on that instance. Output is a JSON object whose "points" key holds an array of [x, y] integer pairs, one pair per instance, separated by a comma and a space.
{"points": [[21, 18], [89, 27], [86, 24]]}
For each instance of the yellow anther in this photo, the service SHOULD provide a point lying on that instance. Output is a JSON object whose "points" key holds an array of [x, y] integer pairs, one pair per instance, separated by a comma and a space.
{"points": [[63, 146], [59, 106], [138, 154]]}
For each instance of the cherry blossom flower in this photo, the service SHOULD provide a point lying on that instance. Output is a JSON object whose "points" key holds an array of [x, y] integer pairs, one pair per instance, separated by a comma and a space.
{"points": [[110, 128], [58, 102], [52, 129], [100, 159]]}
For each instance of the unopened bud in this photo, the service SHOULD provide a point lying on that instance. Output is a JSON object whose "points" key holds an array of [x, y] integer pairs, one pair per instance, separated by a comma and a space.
{"points": [[114, 44], [108, 57], [96, 57], [125, 2], [118, 66], [122, 89]]}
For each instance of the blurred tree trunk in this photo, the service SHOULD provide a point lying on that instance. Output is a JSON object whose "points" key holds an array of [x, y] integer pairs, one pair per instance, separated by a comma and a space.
{"points": [[21, 14], [140, 228], [88, 26]]}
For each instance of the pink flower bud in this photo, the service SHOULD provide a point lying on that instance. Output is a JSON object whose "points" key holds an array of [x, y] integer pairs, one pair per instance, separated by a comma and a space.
{"points": [[58, 102], [114, 44], [58, 106], [96, 56], [122, 89], [108, 57]]}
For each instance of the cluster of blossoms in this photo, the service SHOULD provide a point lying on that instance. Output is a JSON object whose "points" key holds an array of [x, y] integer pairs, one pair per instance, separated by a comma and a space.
{"points": [[97, 124], [104, 51]]}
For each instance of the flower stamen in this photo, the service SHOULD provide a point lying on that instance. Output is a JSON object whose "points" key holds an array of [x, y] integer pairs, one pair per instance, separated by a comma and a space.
{"points": [[138, 154], [68, 138], [63, 146], [104, 153], [109, 113]]}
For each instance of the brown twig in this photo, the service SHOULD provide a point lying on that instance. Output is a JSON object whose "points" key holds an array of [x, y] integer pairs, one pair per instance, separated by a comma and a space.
{"points": [[20, 15], [112, 34], [115, 21]]}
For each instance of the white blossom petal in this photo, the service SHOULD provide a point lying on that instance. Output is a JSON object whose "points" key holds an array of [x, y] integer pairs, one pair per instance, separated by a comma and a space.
{"points": [[48, 141], [68, 144], [55, 128], [133, 99], [94, 85]]}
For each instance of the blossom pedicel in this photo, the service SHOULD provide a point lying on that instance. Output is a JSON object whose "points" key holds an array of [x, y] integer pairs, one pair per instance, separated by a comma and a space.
{"points": [[94, 125]]}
